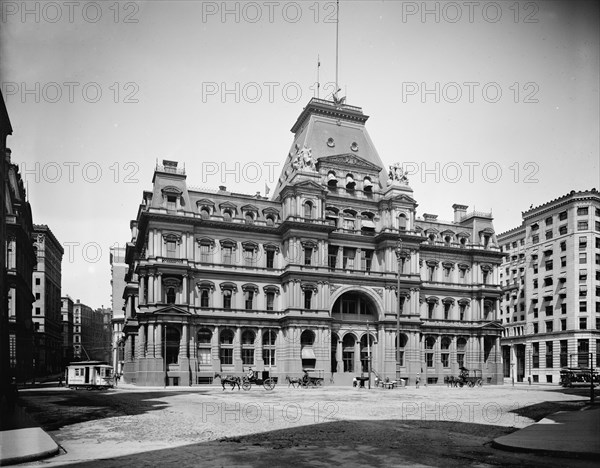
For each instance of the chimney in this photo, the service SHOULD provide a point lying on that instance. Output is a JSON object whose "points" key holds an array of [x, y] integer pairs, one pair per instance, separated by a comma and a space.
{"points": [[429, 217], [222, 188], [459, 212]]}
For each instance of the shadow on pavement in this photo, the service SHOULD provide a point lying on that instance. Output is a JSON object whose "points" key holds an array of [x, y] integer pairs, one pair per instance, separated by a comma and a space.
{"points": [[348, 443]]}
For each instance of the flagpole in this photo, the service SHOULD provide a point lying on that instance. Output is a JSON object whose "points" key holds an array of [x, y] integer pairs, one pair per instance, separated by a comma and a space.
{"points": [[337, 40], [318, 78]]}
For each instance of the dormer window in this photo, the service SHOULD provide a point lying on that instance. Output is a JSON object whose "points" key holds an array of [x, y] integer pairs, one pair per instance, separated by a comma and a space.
{"points": [[308, 208], [171, 202], [332, 180], [367, 185], [270, 220], [249, 218], [227, 216]]}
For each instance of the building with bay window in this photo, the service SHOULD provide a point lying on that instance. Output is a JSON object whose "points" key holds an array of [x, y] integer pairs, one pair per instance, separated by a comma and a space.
{"points": [[550, 280], [320, 276]]}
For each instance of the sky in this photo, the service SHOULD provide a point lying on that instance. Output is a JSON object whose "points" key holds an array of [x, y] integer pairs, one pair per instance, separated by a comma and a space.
{"points": [[489, 104]]}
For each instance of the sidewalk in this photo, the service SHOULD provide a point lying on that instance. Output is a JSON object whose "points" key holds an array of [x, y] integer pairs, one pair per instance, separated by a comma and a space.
{"points": [[572, 433], [21, 439]]}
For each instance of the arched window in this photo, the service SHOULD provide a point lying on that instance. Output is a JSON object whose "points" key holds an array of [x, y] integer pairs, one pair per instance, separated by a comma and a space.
{"points": [[445, 345], [429, 344], [205, 212], [226, 347], [249, 218], [332, 180], [270, 220], [308, 210], [248, 337], [227, 216], [402, 222], [204, 298]]}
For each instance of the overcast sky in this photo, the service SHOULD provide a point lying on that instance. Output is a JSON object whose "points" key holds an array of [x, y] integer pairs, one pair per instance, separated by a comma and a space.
{"points": [[488, 104]]}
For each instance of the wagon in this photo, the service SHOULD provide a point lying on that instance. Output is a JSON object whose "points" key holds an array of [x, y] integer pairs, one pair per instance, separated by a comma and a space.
{"points": [[576, 376], [252, 378], [470, 378]]}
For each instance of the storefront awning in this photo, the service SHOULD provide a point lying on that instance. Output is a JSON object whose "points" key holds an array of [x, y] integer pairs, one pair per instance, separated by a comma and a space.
{"points": [[308, 353]]}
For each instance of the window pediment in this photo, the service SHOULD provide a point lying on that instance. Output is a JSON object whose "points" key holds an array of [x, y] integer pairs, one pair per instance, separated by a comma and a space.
{"points": [[171, 190], [206, 241], [228, 286], [271, 288], [309, 287], [271, 247], [432, 300], [250, 245], [205, 202], [250, 287], [172, 237], [229, 243], [205, 284]]}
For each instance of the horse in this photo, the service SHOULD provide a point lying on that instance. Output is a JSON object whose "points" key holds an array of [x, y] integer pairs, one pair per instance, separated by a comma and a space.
{"points": [[229, 379], [293, 381]]}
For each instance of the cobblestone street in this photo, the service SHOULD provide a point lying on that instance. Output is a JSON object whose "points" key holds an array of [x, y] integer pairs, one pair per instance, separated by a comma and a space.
{"points": [[327, 426]]}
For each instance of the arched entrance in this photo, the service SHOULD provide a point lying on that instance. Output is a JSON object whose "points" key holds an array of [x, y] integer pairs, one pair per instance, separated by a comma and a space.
{"points": [[355, 306]]}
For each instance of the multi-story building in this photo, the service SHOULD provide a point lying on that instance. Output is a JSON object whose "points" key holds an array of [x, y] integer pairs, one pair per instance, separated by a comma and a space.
{"points": [[82, 330], [118, 269], [103, 335], [66, 311], [47, 319], [551, 289], [334, 271]]}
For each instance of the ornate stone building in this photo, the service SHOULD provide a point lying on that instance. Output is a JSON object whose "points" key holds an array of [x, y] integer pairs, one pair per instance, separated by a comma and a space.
{"points": [[550, 278], [308, 279]]}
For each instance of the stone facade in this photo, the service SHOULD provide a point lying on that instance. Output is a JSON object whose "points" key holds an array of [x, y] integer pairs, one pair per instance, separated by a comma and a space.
{"points": [[551, 289], [309, 279]]}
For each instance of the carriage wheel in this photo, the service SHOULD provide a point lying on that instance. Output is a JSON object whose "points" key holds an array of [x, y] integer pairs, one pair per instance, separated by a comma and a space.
{"points": [[246, 385], [269, 384], [319, 382], [479, 382], [460, 384], [471, 384]]}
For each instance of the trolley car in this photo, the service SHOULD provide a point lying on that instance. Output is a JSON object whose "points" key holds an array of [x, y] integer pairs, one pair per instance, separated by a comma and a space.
{"points": [[576, 376], [90, 375]]}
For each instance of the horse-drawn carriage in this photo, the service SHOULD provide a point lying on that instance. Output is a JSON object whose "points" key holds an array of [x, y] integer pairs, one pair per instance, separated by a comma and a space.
{"points": [[305, 381], [470, 378], [246, 381]]}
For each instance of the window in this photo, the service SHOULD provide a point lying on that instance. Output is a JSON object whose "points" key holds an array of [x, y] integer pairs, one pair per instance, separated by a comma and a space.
{"points": [[204, 338], [582, 243], [349, 255], [563, 324], [563, 308], [270, 300], [332, 256], [549, 326], [549, 234], [564, 356], [308, 210], [582, 225], [549, 310], [171, 202], [249, 217], [583, 323], [37, 281], [308, 251], [206, 252], [204, 298], [562, 215], [582, 210], [597, 226], [549, 354], [582, 290], [563, 246], [598, 242], [268, 340], [548, 220], [548, 281], [447, 306], [227, 293], [227, 255], [249, 256], [270, 258], [583, 349], [308, 299], [204, 213], [597, 259], [535, 328], [563, 261], [226, 347], [429, 344], [248, 338], [38, 311], [366, 258], [445, 355], [461, 345], [582, 258], [535, 238], [549, 264], [461, 310], [535, 269], [249, 299], [37, 296], [535, 283], [583, 307], [535, 355], [562, 230], [227, 216]]}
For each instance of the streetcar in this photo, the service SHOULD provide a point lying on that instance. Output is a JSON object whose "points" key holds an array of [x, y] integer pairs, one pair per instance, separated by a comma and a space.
{"points": [[90, 375], [577, 376]]}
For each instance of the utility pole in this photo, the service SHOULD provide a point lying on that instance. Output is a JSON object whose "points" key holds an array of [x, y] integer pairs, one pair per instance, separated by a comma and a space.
{"points": [[369, 353]]}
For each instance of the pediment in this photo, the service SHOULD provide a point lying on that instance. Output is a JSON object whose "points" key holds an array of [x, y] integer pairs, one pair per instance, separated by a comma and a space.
{"points": [[494, 325], [171, 310], [307, 184], [349, 161]]}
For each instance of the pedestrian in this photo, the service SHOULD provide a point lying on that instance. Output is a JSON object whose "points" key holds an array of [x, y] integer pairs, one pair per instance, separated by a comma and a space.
{"points": [[117, 378], [418, 380], [60, 380]]}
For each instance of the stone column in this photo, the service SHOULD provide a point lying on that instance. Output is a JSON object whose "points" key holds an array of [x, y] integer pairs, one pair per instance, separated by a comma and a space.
{"points": [[141, 344], [158, 346], [258, 355], [183, 342], [184, 290], [158, 285], [150, 347], [151, 296]]}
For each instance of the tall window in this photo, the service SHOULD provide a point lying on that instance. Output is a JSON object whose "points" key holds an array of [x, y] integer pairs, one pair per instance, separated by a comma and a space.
{"points": [[268, 340], [461, 310], [583, 349], [227, 294], [429, 344], [270, 258], [248, 338], [308, 299], [206, 252], [249, 256], [349, 255], [171, 295], [308, 252], [249, 299], [461, 346], [171, 202], [308, 208], [348, 352], [445, 345], [549, 354], [535, 355], [204, 338], [564, 355], [204, 295], [366, 257], [403, 341], [447, 306], [270, 300], [332, 256], [227, 252], [171, 248], [226, 347]]}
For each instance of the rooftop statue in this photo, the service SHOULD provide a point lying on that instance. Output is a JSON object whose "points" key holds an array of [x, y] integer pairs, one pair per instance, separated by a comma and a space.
{"points": [[396, 173]]}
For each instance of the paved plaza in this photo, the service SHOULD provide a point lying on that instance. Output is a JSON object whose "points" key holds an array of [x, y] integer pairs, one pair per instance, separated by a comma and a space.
{"points": [[199, 426]]}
